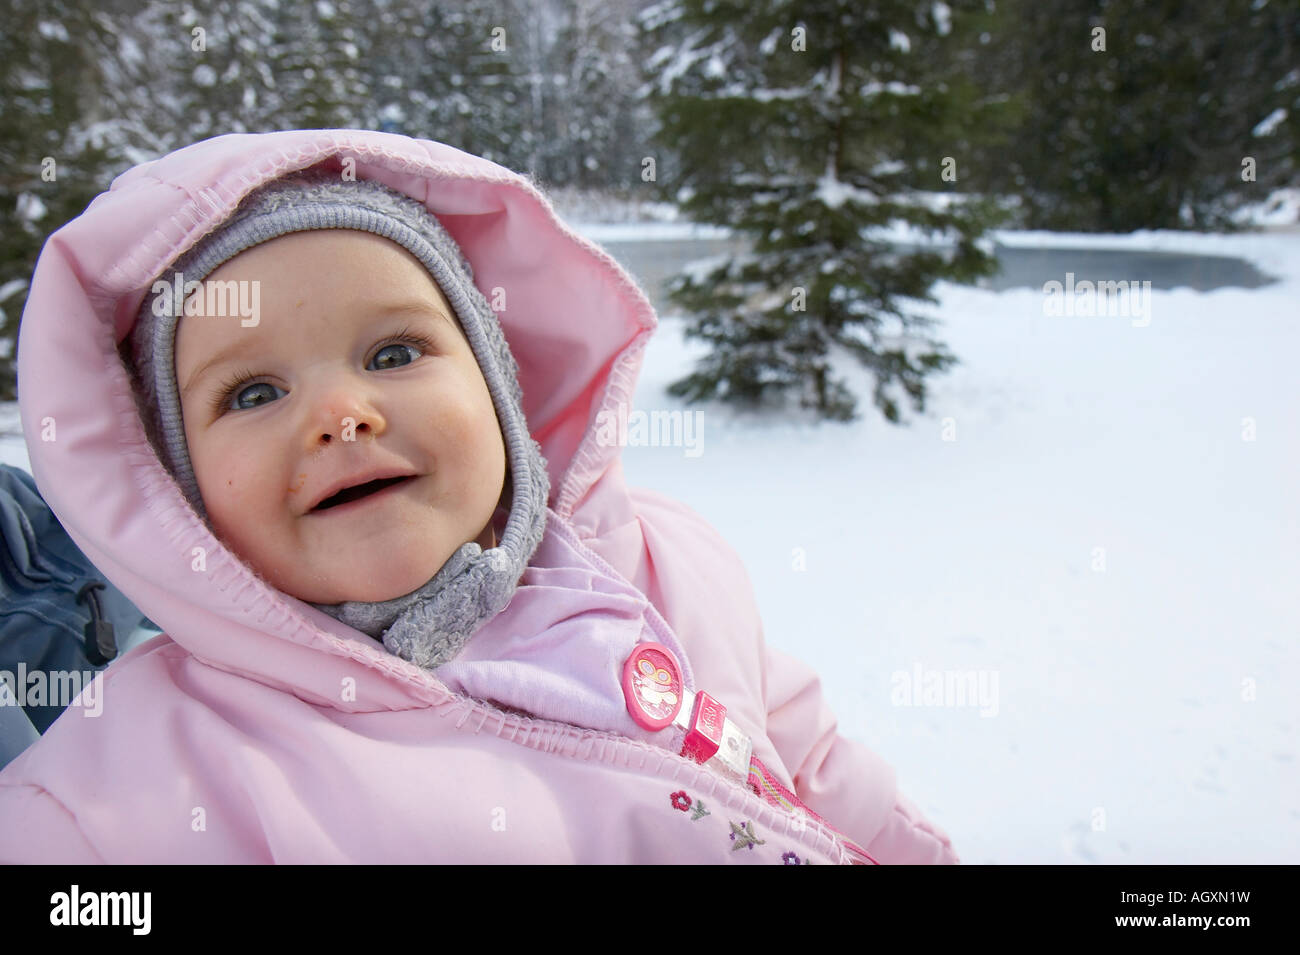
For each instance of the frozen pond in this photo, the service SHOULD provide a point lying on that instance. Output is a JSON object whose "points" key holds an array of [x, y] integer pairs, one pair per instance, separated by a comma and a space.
{"points": [[655, 261]]}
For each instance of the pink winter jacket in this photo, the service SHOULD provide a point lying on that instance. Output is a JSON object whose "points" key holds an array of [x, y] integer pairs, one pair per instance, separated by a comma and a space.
{"points": [[257, 729]]}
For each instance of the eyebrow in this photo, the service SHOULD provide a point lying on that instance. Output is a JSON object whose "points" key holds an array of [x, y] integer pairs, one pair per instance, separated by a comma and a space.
{"points": [[421, 309]]}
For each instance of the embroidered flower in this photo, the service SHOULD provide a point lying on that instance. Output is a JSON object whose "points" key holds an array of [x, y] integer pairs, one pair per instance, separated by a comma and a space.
{"points": [[747, 838], [789, 858], [681, 800]]}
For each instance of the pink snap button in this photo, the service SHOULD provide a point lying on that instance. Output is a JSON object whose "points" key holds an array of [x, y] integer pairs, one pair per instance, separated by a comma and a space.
{"points": [[652, 685]]}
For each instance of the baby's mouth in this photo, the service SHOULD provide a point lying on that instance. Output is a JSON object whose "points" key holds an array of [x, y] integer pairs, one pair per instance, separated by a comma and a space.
{"points": [[349, 494]]}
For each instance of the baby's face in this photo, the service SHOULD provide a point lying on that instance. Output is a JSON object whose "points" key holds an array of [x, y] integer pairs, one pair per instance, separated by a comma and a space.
{"points": [[333, 391]]}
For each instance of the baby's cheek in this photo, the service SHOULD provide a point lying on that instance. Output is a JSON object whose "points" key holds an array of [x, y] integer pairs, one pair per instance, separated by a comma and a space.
{"points": [[228, 491], [241, 515], [458, 424], [488, 446]]}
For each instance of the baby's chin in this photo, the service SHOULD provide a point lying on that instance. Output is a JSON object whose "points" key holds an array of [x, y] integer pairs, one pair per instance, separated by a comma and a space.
{"points": [[389, 574], [373, 569], [348, 586]]}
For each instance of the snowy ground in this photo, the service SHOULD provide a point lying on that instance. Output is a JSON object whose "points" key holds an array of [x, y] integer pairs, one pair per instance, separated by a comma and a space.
{"points": [[1108, 547]]}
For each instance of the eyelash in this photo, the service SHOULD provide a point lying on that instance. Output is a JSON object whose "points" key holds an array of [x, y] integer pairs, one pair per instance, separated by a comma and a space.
{"points": [[243, 376]]}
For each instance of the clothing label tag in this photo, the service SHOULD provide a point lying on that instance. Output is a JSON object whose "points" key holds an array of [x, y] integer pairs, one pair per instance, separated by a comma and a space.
{"points": [[704, 734]]}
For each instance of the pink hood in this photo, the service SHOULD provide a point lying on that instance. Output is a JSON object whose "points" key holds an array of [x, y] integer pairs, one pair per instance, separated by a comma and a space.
{"points": [[257, 729]]}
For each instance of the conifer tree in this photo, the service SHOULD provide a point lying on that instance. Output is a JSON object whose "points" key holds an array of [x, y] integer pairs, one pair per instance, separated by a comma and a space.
{"points": [[1158, 115], [52, 161], [814, 127], [196, 69], [316, 57], [454, 73], [591, 128]]}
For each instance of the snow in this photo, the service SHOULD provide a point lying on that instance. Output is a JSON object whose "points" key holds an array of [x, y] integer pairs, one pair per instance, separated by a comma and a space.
{"points": [[53, 30], [833, 193], [1107, 546], [942, 18], [893, 87], [128, 50], [699, 270], [1282, 208], [1270, 123], [761, 95], [673, 62], [30, 207]]}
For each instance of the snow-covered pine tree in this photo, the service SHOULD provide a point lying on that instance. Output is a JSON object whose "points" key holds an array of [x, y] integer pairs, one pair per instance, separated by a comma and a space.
{"points": [[817, 128], [195, 69], [316, 58], [400, 46], [454, 73], [592, 113], [58, 147], [1157, 115]]}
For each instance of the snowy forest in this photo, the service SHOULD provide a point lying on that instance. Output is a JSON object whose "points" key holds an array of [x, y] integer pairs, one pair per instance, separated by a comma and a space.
{"points": [[818, 128]]}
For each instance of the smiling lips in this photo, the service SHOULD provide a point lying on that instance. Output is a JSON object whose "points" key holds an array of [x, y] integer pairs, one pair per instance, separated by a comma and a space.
{"points": [[355, 491]]}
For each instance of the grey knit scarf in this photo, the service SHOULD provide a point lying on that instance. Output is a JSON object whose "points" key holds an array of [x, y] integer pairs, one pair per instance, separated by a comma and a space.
{"points": [[430, 625]]}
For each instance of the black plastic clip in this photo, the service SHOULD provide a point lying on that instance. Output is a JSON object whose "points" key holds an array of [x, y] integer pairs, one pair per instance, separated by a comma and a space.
{"points": [[100, 640]]}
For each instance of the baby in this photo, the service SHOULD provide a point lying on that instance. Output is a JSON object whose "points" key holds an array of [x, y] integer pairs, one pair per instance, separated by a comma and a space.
{"points": [[409, 616]]}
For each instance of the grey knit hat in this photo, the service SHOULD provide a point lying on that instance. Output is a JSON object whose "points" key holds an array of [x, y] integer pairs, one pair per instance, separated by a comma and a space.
{"points": [[430, 625]]}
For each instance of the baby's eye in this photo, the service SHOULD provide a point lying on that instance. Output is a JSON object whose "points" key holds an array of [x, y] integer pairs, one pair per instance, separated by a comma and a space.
{"points": [[257, 399], [394, 352]]}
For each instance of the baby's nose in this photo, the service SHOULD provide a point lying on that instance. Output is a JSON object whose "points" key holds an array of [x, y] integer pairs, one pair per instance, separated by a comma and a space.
{"points": [[344, 415], [347, 430]]}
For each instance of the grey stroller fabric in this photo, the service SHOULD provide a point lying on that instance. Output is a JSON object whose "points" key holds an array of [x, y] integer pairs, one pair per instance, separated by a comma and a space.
{"points": [[43, 624]]}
